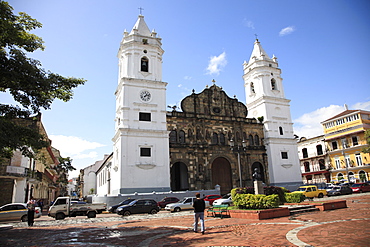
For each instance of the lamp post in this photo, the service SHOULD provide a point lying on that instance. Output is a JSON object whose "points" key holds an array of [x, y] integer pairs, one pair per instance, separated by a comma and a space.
{"points": [[238, 149]]}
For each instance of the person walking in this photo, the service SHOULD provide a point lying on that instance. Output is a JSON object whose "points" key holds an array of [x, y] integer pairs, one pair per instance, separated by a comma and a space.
{"points": [[31, 211], [199, 206]]}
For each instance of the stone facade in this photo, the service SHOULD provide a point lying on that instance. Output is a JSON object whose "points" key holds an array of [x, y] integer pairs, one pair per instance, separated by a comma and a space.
{"points": [[200, 136]]}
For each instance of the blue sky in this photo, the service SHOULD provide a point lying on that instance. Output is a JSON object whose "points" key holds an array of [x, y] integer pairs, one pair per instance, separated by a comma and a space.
{"points": [[322, 49]]}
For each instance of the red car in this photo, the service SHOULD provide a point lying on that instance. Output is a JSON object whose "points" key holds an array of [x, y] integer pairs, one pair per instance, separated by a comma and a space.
{"points": [[211, 198], [360, 187], [167, 200]]}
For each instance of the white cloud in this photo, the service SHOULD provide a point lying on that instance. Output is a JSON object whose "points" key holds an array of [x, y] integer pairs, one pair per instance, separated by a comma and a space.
{"points": [[187, 77], [286, 31], [308, 125], [216, 64], [72, 146], [249, 24], [362, 106]]}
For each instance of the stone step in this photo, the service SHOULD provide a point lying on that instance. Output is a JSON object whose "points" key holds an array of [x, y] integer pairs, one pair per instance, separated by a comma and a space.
{"points": [[302, 209]]}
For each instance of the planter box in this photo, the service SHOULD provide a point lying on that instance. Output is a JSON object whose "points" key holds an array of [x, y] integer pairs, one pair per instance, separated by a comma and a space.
{"points": [[324, 206], [259, 214], [330, 205]]}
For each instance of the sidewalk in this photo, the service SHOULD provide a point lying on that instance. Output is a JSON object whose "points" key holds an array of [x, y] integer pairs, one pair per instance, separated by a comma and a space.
{"points": [[342, 227]]}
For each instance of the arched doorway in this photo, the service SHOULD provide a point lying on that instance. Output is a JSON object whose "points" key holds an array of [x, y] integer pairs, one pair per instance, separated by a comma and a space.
{"points": [[179, 177], [259, 166], [221, 175]]}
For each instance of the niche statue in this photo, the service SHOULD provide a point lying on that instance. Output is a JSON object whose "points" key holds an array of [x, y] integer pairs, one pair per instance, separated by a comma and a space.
{"points": [[256, 175]]}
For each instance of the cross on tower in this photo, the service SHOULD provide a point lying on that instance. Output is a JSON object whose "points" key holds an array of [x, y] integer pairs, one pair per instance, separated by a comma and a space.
{"points": [[141, 10], [256, 36]]}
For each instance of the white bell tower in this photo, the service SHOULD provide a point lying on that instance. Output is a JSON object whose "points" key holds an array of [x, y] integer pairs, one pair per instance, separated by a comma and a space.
{"points": [[265, 98], [141, 146]]}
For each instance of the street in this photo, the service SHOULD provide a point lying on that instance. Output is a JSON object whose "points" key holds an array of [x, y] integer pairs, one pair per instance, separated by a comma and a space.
{"points": [[319, 228]]}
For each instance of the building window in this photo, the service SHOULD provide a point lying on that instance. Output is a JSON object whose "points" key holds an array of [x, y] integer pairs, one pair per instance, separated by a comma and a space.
{"points": [[306, 167], [145, 152], [354, 140], [304, 153], [173, 136], [344, 143], [284, 155], [340, 121], [273, 84], [337, 162], [214, 139], [145, 116], [362, 176], [319, 149], [334, 145], [251, 142], [222, 139], [144, 64], [359, 160], [256, 140], [182, 136], [340, 177], [252, 88], [322, 164], [281, 130]]}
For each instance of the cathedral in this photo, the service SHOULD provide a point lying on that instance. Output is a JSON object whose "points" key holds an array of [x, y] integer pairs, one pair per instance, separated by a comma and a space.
{"points": [[212, 140]]}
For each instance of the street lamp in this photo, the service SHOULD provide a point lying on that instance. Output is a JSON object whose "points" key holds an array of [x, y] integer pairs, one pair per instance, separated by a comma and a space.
{"points": [[238, 149]]}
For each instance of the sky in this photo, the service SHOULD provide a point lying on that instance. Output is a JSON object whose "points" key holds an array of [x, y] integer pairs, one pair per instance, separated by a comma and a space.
{"points": [[322, 49]]}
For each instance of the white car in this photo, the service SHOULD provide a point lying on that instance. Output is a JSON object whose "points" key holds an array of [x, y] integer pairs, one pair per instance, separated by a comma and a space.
{"points": [[225, 200], [186, 203]]}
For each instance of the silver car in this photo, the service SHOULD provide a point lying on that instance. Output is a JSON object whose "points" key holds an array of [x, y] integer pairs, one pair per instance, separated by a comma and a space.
{"points": [[16, 212]]}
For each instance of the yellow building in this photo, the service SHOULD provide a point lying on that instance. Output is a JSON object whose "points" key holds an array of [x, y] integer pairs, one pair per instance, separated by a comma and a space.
{"points": [[345, 139]]}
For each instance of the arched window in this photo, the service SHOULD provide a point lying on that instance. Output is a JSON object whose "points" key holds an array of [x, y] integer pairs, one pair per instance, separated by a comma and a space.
{"points": [[256, 140], [319, 149], [182, 136], [144, 64], [281, 130], [252, 88], [304, 153], [190, 133], [251, 142], [222, 139], [214, 138], [199, 134], [273, 84], [173, 136]]}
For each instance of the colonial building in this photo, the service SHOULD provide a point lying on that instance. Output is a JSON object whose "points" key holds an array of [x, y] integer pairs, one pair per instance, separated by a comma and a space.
{"points": [[314, 159], [22, 177], [345, 139], [212, 142], [266, 101]]}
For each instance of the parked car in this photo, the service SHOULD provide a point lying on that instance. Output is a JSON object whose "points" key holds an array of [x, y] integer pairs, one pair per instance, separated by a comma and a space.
{"points": [[339, 190], [186, 203], [138, 207], [167, 200], [225, 200], [360, 187], [17, 211], [211, 198], [113, 208]]}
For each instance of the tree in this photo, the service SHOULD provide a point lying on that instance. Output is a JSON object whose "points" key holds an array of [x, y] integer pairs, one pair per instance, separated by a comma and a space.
{"points": [[367, 136], [31, 86]]}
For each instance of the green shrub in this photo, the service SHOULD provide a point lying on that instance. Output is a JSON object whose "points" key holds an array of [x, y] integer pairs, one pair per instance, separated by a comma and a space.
{"points": [[250, 201], [294, 197], [273, 190]]}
